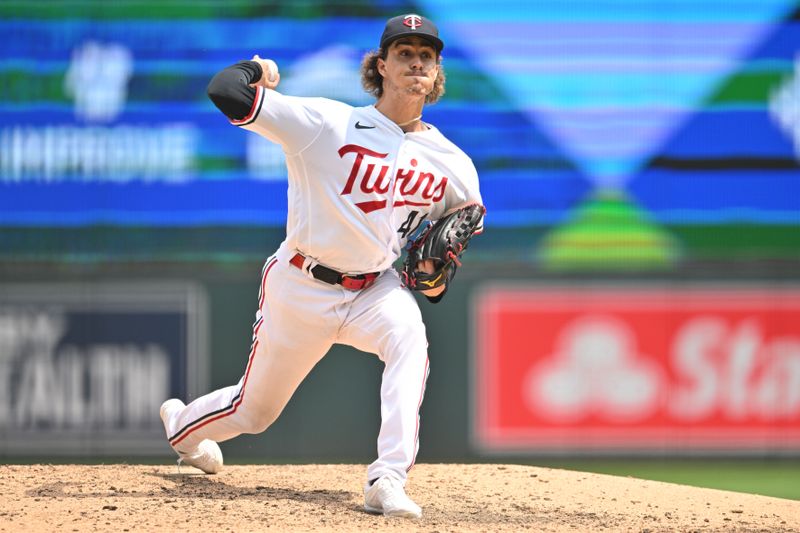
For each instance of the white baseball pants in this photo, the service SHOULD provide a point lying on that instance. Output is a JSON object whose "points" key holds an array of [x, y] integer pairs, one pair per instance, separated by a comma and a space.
{"points": [[298, 320]]}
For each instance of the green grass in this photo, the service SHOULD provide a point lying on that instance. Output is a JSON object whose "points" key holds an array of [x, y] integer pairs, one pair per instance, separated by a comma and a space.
{"points": [[777, 478]]}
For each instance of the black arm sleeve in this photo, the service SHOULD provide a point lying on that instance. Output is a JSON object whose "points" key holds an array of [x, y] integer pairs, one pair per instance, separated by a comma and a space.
{"points": [[230, 88]]}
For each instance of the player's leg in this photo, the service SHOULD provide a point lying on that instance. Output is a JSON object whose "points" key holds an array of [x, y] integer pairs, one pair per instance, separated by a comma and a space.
{"points": [[294, 328], [386, 320]]}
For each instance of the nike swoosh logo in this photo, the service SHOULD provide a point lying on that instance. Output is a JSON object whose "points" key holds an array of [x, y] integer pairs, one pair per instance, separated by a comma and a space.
{"points": [[360, 126]]}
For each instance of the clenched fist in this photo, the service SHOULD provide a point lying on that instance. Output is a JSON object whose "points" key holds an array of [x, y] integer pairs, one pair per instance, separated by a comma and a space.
{"points": [[270, 76]]}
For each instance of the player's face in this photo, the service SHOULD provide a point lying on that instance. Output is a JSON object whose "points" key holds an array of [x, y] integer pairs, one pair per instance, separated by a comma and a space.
{"points": [[410, 66]]}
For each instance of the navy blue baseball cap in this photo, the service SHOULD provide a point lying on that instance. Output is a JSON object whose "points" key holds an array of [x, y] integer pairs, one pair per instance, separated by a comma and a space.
{"points": [[410, 25]]}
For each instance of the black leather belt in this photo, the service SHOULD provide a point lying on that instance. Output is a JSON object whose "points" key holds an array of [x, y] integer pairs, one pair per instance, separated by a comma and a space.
{"points": [[328, 275]]}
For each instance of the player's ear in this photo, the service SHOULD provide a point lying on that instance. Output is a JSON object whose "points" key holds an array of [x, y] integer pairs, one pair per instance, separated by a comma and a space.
{"points": [[381, 66]]}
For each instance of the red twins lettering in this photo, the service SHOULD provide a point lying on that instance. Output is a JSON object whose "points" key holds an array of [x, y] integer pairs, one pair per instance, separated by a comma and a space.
{"points": [[426, 184]]}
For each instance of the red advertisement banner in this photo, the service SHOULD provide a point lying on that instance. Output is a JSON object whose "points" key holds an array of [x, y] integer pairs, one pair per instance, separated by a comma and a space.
{"points": [[647, 368]]}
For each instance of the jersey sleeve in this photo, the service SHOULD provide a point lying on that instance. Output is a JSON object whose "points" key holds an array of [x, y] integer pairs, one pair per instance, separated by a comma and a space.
{"points": [[292, 122], [467, 191]]}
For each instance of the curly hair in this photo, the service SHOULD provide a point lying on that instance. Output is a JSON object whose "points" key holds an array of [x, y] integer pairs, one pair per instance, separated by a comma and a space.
{"points": [[372, 81]]}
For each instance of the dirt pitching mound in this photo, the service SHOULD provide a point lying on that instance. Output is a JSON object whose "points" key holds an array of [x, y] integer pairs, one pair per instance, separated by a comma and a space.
{"points": [[454, 498]]}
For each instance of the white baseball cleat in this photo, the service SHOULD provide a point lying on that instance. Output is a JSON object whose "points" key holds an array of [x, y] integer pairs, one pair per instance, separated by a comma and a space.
{"points": [[206, 457], [388, 497]]}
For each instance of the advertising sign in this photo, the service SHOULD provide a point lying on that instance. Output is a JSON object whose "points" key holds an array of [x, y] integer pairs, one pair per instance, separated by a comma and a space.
{"points": [[84, 368], [649, 368]]}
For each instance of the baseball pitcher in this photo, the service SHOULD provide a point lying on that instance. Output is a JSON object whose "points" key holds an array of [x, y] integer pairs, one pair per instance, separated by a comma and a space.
{"points": [[365, 185]]}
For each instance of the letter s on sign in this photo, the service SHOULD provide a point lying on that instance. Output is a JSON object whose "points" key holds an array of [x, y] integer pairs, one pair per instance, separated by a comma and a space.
{"points": [[697, 386]]}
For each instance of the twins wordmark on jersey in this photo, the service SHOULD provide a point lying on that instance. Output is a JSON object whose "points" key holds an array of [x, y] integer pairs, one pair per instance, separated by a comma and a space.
{"points": [[415, 187]]}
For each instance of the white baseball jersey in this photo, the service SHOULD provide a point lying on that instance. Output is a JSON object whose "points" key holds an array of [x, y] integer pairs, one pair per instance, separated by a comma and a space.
{"points": [[358, 184]]}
